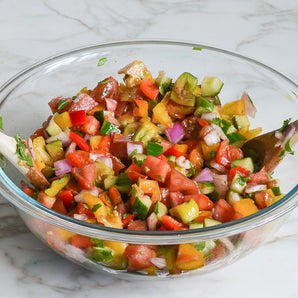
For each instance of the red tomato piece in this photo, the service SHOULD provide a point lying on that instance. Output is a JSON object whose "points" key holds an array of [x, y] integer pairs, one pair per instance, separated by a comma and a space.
{"points": [[138, 256], [235, 153], [67, 198], [172, 224], [80, 241], [175, 152], [83, 102], [59, 206], [155, 168], [137, 225], [162, 157], [260, 198], [114, 195], [177, 182], [79, 158], [56, 102], [202, 122], [127, 219], [223, 211], [222, 156], [108, 88], [81, 209], [176, 198], [85, 175], [111, 104], [78, 117], [149, 89], [203, 201], [260, 177], [91, 125]]}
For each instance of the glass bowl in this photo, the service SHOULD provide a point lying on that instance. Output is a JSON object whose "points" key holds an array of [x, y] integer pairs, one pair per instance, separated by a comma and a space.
{"points": [[24, 107]]}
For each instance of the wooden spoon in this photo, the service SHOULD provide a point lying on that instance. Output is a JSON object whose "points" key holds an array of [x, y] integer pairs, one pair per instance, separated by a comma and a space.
{"points": [[268, 150], [8, 148]]}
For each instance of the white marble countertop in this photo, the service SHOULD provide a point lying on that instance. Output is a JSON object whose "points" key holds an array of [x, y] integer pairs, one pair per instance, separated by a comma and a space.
{"points": [[31, 30]]}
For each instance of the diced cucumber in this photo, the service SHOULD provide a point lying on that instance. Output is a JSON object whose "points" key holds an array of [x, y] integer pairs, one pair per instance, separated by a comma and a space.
{"points": [[209, 222], [238, 183], [227, 127], [276, 190], [53, 128], [185, 81], [139, 158], [160, 209], [195, 225], [55, 149], [164, 84], [109, 181], [233, 197], [211, 86], [236, 138], [206, 187], [108, 128], [101, 115], [141, 207], [204, 105], [245, 163], [240, 121], [188, 100]]}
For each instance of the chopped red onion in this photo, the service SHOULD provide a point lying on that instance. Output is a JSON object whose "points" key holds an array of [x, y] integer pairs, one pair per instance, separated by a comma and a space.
{"points": [[87, 137], [70, 148], [175, 133], [62, 167], [30, 148], [107, 161], [111, 104], [80, 216], [286, 135], [152, 221], [209, 116], [209, 135], [254, 188], [63, 136], [204, 176], [213, 164], [132, 146], [250, 108], [219, 131], [221, 185], [160, 263], [95, 191]]}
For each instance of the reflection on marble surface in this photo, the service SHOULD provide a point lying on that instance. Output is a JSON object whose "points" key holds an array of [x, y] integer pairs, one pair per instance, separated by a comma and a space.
{"points": [[31, 30]]}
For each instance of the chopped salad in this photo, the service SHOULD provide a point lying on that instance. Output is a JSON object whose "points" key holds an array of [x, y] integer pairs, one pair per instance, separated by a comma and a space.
{"points": [[151, 154]]}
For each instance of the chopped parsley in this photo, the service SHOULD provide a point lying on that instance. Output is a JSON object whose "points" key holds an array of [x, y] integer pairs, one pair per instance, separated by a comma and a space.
{"points": [[200, 245], [197, 49], [287, 149], [102, 61], [285, 125], [2, 161], [154, 148], [1, 123], [241, 180], [96, 207], [101, 254], [104, 82], [62, 103], [133, 153], [21, 151]]}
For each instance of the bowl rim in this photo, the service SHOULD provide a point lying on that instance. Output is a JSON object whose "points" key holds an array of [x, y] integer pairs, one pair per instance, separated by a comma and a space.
{"points": [[30, 206]]}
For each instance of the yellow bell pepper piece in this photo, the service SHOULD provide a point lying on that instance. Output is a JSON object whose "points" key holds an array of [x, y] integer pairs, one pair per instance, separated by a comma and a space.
{"points": [[39, 162], [94, 142], [39, 148], [141, 108], [63, 120], [188, 258], [207, 150], [250, 134], [57, 185], [181, 147], [187, 211], [160, 112], [272, 200], [245, 207], [236, 107], [96, 205]]}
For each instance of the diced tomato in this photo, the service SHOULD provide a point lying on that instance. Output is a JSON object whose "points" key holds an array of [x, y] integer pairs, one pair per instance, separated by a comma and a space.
{"points": [[260, 177], [138, 256], [155, 168], [117, 165], [178, 182], [78, 117], [26, 189], [137, 225], [105, 143], [235, 153], [83, 102], [175, 152], [203, 215], [59, 206], [149, 89], [176, 198], [243, 172], [46, 200], [111, 104], [172, 224], [165, 196], [165, 145], [79, 141], [67, 197], [85, 175], [114, 195], [162, 157], [121, 108], [107, 88], [222, 156], [202, 122], [81, 209], [91, 126], [203, 201], [260, 198], [178, 111], [80, 241], [134, 172], [223, 211], [79, 158], [56, 102], [106, 200], [127, 219]]}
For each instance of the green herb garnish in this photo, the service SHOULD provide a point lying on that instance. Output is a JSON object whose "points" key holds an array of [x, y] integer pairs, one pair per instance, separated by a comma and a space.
{"points": [[1, 123], [133, 153], [21, 151], [154, 148], [104, 82], [96, 207], [62, 103], [197, 49], [102, 61], [285, 125]]}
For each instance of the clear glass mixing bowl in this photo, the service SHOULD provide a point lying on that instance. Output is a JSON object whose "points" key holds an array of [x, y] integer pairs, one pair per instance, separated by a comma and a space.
{"points": [[24, 107]]}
